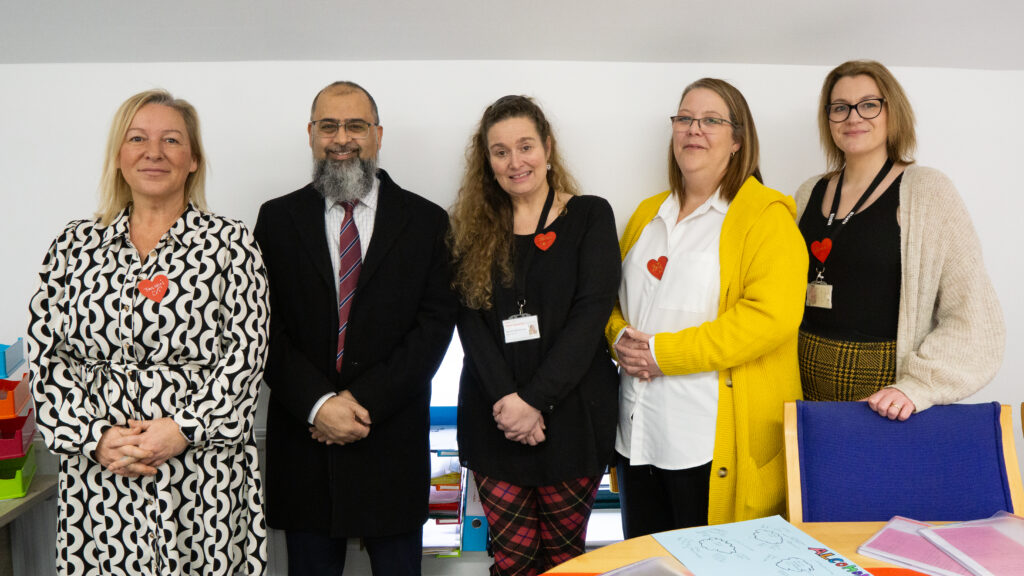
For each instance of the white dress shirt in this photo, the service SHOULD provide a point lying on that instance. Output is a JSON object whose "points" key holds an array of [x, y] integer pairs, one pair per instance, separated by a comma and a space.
{"points": [[669, 422], [363, 213]]}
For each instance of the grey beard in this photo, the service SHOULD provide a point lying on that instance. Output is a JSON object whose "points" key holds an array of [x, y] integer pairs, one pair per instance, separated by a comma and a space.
{"points": [[344, 180]]}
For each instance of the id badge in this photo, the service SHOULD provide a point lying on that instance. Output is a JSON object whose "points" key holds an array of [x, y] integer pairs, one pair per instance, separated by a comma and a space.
{"points": [[521, 327], [819, 295]]}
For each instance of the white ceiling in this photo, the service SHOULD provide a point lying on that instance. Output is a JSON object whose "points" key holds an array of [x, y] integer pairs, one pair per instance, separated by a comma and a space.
{"points": [[979, 34]]}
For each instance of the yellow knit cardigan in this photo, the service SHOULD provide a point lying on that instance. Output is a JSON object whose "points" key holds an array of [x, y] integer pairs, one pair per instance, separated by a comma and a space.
{"points": [[752, 344]]}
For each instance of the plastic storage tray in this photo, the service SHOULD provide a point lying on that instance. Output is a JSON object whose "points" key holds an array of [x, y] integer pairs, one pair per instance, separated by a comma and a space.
{"points": [[16, 435], [13, 398], [16, 475], [10, 356]]}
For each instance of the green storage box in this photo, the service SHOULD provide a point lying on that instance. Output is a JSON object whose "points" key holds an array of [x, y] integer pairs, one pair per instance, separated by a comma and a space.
{"points": [[16, 475]]}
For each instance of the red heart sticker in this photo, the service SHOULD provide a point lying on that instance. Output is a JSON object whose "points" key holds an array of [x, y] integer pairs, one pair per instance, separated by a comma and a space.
{"points": [[544, 241], [657, 267], [821, 249], [154, 289]]}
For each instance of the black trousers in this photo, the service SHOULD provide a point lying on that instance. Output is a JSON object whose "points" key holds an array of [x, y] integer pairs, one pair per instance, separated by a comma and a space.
{"points": [[656, 500], [315, 554]]}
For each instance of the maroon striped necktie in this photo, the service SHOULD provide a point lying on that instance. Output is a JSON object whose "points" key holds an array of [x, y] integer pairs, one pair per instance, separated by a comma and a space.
{"points": [[348, 274]]}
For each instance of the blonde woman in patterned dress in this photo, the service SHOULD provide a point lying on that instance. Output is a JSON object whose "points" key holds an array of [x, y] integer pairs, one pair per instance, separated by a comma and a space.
{"points": [[147, 341]]}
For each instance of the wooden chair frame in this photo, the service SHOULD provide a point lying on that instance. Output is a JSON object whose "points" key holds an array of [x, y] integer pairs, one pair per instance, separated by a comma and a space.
{"points": [[794, 490]]}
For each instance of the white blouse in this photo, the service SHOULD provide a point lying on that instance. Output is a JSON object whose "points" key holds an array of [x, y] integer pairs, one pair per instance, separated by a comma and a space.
{"points": [[669, 422]]}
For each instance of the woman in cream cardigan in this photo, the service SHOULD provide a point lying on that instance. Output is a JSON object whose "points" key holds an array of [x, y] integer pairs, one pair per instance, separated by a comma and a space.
{"points": [[705, 328], [900, 310]]}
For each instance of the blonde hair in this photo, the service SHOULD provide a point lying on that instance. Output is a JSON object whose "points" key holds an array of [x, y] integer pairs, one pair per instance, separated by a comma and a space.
{"points": [[745, 162], [901, 138], [480, 238], [115, 193]]}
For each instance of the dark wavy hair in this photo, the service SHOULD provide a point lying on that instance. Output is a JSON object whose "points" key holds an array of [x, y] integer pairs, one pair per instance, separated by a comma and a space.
{"points": [[480, 238]]}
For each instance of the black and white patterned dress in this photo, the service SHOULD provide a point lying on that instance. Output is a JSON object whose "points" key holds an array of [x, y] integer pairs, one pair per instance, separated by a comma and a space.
{"points": [[107, 342]]}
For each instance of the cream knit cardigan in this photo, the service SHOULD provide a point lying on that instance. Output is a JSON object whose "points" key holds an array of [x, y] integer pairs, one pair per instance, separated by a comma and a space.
{"points": [[950, 335]]}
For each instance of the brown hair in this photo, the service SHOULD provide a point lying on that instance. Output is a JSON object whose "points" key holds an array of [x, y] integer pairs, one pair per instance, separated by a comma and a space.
{"points": [[745, 162], [901, 139], [480, 239], [115, 193]]}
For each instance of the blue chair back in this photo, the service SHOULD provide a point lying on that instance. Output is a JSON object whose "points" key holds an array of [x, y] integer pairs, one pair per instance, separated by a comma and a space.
{"points": [[945, 463]]}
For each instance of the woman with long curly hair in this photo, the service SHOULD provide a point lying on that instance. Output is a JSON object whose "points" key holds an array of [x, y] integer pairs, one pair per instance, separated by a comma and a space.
{"points": [[536, 268]]}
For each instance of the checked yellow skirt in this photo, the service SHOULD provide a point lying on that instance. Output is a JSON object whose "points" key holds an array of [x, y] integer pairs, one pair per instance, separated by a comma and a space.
{"points": [[840, 370]]}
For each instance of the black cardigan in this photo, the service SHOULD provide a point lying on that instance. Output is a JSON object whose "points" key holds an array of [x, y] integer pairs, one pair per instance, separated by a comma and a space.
{"points": [[567, 373]]}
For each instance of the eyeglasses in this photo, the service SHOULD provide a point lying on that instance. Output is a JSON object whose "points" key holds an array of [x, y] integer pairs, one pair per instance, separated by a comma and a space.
{"points": [[709, 124], [355, 128], [866, 109]]}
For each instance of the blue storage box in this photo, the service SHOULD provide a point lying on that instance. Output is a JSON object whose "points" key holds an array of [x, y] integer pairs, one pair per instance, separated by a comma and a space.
{"points": [[10, 356]]}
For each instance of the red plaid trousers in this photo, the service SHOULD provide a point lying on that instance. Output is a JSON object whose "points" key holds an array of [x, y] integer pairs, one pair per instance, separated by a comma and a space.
{"points": [[534, 528]]}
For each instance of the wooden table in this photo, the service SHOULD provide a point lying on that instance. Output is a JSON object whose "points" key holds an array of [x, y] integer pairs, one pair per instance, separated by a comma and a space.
{"points": [[843, 537]]}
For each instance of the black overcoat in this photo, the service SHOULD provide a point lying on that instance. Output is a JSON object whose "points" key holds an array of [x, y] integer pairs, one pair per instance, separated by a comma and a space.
{"points": [[399, 328]]}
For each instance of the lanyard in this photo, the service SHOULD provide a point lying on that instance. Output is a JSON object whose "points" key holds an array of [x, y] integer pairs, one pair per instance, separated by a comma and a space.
{"points": [[528, 257], [860, 202]]}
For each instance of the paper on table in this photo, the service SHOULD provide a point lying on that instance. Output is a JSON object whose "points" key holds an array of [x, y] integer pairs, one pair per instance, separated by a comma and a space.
{"points": [[658, 566], [989, 547], [763, 546], [899, 542]]}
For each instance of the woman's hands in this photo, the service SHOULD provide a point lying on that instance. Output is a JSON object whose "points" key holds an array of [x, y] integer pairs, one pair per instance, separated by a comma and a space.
{"points": [[141, 447], [518, 420], [634, 352], [891, 403], [118, 452]]}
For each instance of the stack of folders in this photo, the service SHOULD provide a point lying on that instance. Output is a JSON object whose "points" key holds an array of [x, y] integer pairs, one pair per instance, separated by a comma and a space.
{"points": [[445, 487], [442, 534], [17, 426], [988, 547]]}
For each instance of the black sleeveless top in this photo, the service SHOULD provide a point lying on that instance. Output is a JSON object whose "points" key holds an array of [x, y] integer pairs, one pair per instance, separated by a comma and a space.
{"points": [[863, 268]]}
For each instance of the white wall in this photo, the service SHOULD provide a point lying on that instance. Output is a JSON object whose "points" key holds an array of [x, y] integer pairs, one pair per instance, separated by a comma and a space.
{"points": [[611, 119]]}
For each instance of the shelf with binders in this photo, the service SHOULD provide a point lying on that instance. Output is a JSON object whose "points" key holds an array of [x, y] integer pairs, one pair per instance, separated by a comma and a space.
{"points": [[442, 534], [17, 425], [605, 526]]}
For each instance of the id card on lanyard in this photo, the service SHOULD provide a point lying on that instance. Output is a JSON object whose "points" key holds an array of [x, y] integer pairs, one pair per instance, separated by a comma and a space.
{"points": [[819, 291], [524, 326]]}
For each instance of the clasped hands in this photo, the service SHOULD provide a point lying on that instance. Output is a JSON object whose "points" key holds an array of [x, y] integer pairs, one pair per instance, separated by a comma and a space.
{"points": [[141, 447], [518, 420], [341, 420], [634, 353]]}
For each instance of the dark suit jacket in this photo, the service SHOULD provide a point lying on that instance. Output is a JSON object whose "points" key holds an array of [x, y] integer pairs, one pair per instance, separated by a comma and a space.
{"points": [[399, 327]]}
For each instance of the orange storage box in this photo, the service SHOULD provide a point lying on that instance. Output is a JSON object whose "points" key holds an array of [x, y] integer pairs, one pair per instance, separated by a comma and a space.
{"points": [[13, 397]]}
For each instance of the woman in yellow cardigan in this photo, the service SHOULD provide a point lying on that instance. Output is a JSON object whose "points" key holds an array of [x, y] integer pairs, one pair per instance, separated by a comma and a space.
{"points": [[705, 330]]}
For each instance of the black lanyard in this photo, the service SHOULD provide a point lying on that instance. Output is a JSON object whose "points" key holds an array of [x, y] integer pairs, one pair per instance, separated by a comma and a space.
{"points": [[528, 257], [860, 202]]}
